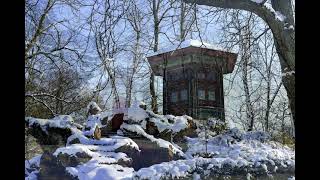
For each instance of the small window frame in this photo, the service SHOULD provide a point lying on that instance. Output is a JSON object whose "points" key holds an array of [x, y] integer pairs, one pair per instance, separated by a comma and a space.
{"points": [[212, 76], [174, 97], [184, 95], [201, 75], [212, 95], [201, 94]]}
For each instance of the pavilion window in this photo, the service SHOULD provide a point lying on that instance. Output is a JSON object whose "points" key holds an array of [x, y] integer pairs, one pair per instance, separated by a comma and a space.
{"points": [[211, 96], [201, 76], [174, 97], [211, 76], [184, 95], [201, 94]]}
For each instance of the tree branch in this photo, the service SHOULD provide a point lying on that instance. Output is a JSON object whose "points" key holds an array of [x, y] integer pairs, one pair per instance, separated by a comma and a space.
{"points": [[48, 95]]}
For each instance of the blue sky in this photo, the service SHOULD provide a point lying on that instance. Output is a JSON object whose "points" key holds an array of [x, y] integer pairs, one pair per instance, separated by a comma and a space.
{"points": [[209, 32]]}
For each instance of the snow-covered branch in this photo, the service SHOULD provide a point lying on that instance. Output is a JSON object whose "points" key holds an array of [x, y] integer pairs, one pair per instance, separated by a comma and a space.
{"points": [[48, 95], [42, 102]]}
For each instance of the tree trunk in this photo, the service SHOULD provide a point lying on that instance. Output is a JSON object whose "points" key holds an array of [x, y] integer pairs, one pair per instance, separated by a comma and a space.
{"points": [[128, 93], [289, 84], [154, 103], [268, 104], [245, 58], [283, 33], [115, 91], [182, 21]]}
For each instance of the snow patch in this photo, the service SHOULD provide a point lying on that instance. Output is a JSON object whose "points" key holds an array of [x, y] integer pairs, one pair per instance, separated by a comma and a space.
{"points": [[93, 105], [246, 153], [162, 143], [196, 176], [93, 120], [182, 168], [291, 178], [136, 114], [280, 16], [289, 28], [176, 124], [289, 73], [32, 167], [258, 1], [61, 121], [94, 171]]}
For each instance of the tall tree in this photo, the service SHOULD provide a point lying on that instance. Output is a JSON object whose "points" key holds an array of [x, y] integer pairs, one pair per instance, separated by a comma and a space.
{"points": [[245, 46], [280, 18], [159, 9], [50, 46], [104, 19], [135, 18]]}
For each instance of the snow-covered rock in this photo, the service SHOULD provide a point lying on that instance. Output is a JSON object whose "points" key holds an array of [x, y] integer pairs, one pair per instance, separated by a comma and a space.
{"points": [[162, 143], [32, 168], [61, 121], [95, 157], [136, 114], [117, 157], [239, 159], [169, 122], [51, 131], [93, 108]]}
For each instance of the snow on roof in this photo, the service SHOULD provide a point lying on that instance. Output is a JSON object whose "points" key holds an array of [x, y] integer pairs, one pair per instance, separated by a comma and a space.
{"points": [[189, 43]]}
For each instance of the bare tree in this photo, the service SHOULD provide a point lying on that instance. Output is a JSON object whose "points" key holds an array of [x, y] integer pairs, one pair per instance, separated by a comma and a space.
{"points": [[51, 46], [135, 18], [104, 18], [160, 10], [280, 18], [187, 19], [258, 65], [267, 55], [245, 60]]}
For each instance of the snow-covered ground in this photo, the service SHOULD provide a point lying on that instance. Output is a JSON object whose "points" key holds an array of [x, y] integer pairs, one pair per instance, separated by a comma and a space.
{"points": [[232, 152], [247, 152], [95, 171]]}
